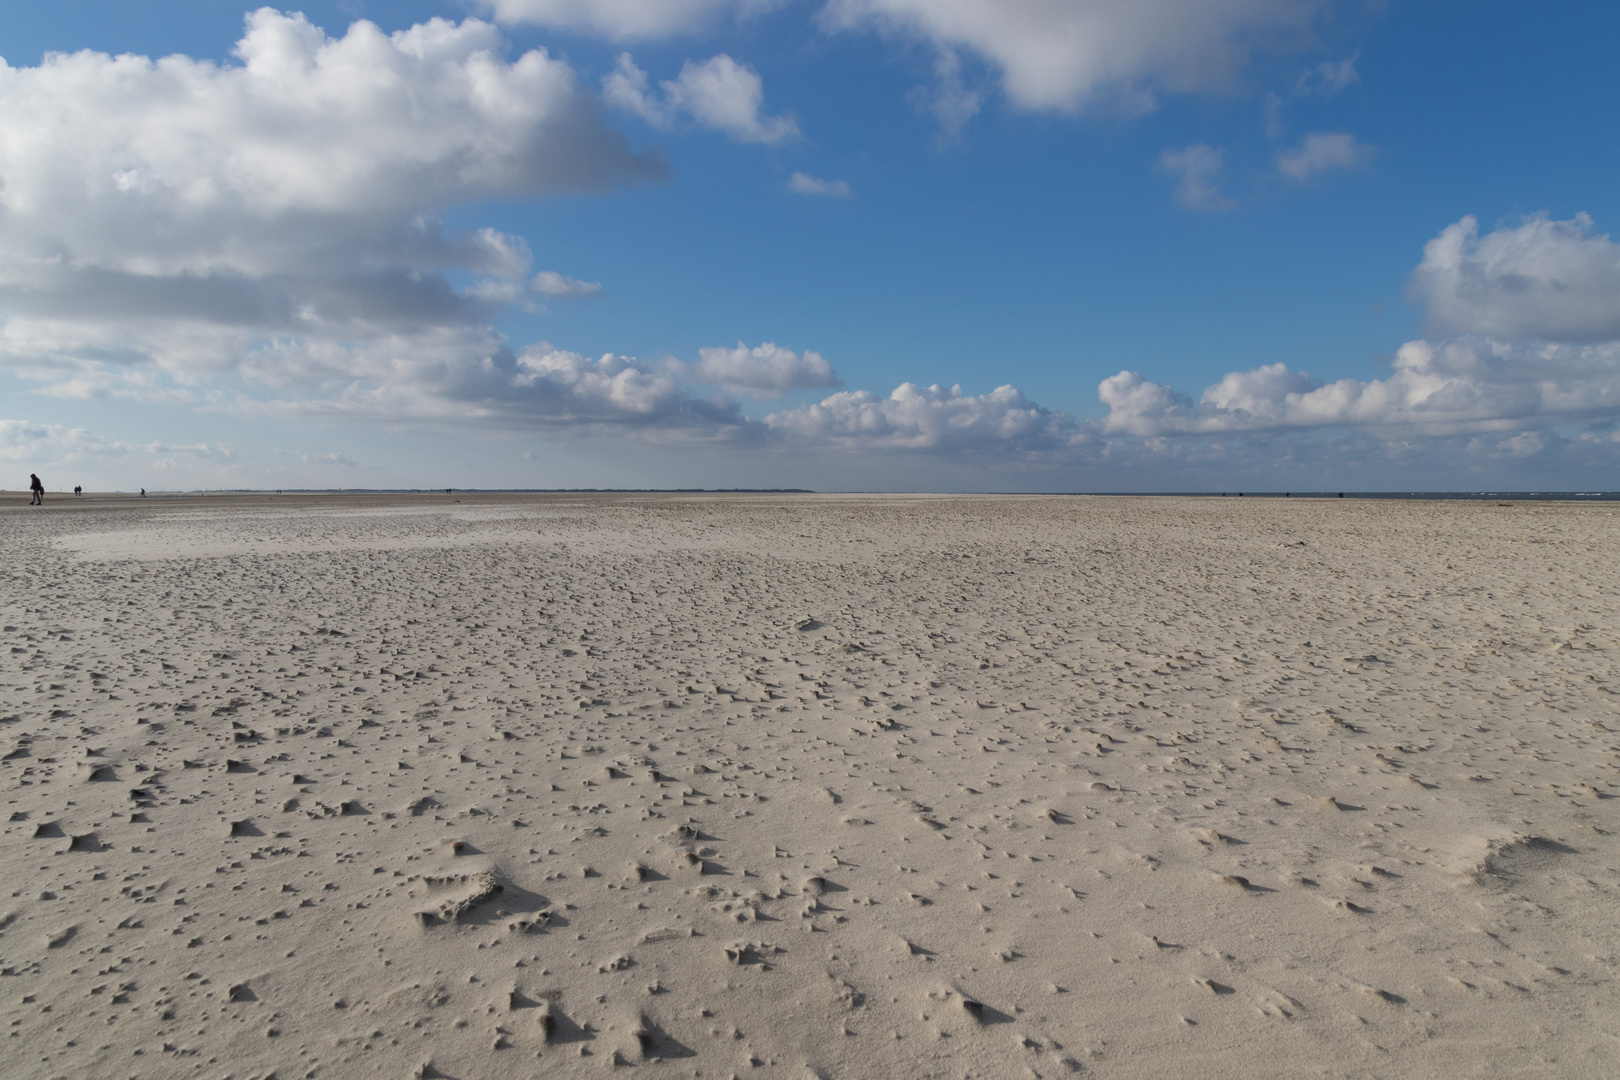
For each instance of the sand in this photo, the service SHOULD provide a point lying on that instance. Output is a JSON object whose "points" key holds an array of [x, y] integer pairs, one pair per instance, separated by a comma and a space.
{"points": [[809, 786]]}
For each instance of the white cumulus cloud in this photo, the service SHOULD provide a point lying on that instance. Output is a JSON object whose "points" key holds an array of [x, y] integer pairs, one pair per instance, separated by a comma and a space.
{"points": [[1537, 309], [163, 220], [1538, 280], [929, 418], [765, 371], [1434, 388], [718, 93]]}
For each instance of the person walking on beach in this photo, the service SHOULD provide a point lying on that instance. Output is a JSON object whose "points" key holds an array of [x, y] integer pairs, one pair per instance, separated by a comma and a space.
{"points": [[38, 489]]}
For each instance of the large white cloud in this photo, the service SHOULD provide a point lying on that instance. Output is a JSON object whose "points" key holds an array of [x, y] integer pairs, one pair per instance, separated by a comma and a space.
{"points": [[185, 166], [931, 418], [176, 213], [1541, 279]]}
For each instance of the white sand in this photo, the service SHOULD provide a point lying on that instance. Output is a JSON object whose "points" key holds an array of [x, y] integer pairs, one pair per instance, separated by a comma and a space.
{"points": [[797, 786]]}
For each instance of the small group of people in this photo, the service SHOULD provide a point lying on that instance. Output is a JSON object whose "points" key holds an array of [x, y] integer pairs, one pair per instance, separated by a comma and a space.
{"points": [[38, 490]]}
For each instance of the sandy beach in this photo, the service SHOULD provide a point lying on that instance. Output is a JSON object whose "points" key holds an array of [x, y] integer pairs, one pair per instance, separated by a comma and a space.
{"points": [[809, 786]]}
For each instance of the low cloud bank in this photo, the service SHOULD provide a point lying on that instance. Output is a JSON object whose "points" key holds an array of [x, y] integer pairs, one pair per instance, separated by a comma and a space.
{"points": [[1536, 312]]}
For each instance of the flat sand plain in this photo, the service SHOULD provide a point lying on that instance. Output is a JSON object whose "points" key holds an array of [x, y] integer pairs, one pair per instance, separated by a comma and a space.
{"points": [[809, 786]]}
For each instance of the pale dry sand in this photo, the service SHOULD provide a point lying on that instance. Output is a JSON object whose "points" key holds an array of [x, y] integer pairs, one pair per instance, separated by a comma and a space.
{"points": [[809, 786]]}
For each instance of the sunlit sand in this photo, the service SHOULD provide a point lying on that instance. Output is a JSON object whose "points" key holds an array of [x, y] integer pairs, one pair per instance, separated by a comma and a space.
{"points": [[809, 786]]}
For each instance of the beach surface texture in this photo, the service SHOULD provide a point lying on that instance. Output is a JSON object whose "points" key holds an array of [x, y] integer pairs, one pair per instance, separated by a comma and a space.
{"points": [[807, 786]]}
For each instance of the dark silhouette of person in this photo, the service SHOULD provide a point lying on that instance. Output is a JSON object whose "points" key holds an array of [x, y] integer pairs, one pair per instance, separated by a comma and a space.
{"points": [[38, 489], [78, 489], [143, 493]]}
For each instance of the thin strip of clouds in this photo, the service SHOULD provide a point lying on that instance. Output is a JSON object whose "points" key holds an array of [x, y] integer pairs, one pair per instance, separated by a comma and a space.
{"points": [[626, 20], [805, 184], [550, 283], [1434, 388]]}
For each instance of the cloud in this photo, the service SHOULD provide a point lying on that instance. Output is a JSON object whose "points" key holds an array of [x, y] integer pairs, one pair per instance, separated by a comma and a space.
{"points": [[1328, 78], [1539, 280], [1197, 167], [1050, 54], [932, 419], [1066, 54], [311, 147], [551, 283], [765, 371], [1537, 308], [331, 458], [1323, 152], [51, 444], [211, 451], [805, 184], [1435, 388], [624, 19], [950, 100], [470, 375], [718, 93], [171, 224]]}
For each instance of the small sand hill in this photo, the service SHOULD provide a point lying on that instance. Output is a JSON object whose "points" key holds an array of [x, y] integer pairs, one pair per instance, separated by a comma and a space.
{"points": [[809, 786]]}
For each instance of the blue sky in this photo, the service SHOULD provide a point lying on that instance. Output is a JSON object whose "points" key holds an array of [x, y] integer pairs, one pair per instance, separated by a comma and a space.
{"points": [[842, 244]]}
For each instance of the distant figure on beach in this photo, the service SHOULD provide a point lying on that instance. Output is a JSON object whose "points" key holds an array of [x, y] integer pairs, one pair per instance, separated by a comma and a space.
{"points": [[78, 489], [38, 489], [143, 493]]}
